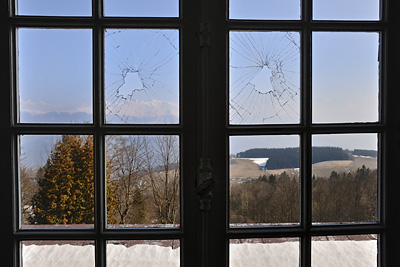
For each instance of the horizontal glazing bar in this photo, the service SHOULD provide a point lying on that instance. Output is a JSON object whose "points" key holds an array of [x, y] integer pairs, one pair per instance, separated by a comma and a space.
{"points": [[315, 128], [90, 22], [299, 231], [91, 129]]}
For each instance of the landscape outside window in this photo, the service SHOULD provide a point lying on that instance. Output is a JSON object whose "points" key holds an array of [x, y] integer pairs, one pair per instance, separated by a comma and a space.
{"points": [[142, 172]]}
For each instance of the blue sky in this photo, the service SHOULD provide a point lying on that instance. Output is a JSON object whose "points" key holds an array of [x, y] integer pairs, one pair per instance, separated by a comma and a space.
{"points": [[55, 68]]}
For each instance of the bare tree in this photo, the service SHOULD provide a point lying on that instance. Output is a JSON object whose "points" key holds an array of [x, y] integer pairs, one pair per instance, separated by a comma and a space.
{"points": [[29, 188], [163, 172], [126, 161]]}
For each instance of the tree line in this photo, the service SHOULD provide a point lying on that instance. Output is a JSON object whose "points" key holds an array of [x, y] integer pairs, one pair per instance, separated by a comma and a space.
{"points": [[281, 158], [275, 199], [141, 182]]}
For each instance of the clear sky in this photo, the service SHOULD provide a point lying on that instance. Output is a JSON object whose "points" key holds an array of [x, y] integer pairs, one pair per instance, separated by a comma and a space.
{"points": [[142, 66]]}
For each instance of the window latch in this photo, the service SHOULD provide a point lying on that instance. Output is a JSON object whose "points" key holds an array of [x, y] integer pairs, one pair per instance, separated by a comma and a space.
{"points": [[205, 183], [204, 34]]}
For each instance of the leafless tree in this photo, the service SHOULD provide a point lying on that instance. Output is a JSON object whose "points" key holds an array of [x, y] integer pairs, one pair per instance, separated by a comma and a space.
{"points": [[28, 187], [163, 171], [126, 167]]}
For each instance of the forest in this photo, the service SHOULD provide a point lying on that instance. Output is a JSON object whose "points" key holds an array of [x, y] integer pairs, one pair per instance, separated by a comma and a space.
{"points": [[280, 158], [275, 199]]}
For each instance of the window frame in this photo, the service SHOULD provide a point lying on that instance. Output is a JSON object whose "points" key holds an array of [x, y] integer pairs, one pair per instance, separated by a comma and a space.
{"points": [[306, 129], [100, 234], [207, 236]]}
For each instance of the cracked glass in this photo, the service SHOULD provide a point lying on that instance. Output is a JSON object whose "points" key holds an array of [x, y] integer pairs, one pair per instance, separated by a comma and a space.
{"points": [[142, 76], [264, 77]]}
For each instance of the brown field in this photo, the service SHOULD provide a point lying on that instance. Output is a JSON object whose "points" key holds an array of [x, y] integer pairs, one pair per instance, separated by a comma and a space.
{"points": [[244, 168]]}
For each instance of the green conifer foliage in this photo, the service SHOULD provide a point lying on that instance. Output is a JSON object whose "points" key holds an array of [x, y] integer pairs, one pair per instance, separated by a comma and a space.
{"points": [[66, 189]]}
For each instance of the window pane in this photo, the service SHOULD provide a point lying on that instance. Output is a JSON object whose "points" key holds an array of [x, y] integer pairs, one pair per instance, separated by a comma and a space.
{"points": [[346, 9], [344, 178], [267, 10], [56, 181], [143, 178], [345, 77], [344, 251], [55, 75], [142, 76], [137, 8], [264, 252], [264, 81], [60, 253], [143, 253], [54, 8], [264, 180]]}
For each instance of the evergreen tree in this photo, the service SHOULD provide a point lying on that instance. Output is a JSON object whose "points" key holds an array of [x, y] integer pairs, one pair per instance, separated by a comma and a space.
{"points": [[66, 189], [139, 215]]}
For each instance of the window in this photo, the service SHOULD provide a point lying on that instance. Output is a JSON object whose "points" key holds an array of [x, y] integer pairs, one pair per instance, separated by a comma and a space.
{"points": [[200, 133]]}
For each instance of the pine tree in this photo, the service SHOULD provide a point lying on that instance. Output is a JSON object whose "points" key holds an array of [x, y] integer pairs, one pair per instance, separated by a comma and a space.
{"points": [[139, 215], [66, 189]]}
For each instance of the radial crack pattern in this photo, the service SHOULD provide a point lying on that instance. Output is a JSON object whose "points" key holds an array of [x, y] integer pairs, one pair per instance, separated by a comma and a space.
{"points": [[142, 74], [264, 77]]}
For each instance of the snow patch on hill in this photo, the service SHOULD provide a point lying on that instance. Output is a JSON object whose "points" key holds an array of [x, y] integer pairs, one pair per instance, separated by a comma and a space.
{"points": [[261, 162]]}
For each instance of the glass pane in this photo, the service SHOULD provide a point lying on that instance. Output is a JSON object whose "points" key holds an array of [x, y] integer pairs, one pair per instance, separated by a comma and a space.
{"points": [[344, 251], [143, 253], [345, 77], [264, 83], [267, 10], [264, 252], [137, 8], [56, 181], [344, 178], [65, 253], [143, 178], [264, 180], [55, 75], [54, 8], [142, 76], [346, 9]]}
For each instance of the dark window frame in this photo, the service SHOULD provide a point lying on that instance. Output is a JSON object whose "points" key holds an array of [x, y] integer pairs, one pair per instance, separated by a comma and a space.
{"points": [[199, 88]]}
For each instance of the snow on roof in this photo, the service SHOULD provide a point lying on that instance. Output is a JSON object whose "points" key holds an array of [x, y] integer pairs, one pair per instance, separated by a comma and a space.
{"points": [[335, 253]]}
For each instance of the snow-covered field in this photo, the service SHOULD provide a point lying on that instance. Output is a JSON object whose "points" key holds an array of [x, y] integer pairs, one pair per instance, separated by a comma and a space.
{"points": [[261, 162], [347, 253]]}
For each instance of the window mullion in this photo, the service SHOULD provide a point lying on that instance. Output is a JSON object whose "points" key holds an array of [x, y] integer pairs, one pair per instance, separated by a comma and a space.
{"points": [[306, 144]]}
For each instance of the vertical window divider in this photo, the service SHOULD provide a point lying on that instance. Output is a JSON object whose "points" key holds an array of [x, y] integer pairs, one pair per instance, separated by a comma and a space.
{"points": [[305, 141], [99, 141]]}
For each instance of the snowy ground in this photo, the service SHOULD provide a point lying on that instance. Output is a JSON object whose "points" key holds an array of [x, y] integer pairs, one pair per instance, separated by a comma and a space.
{"points": [[335, 253]]}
